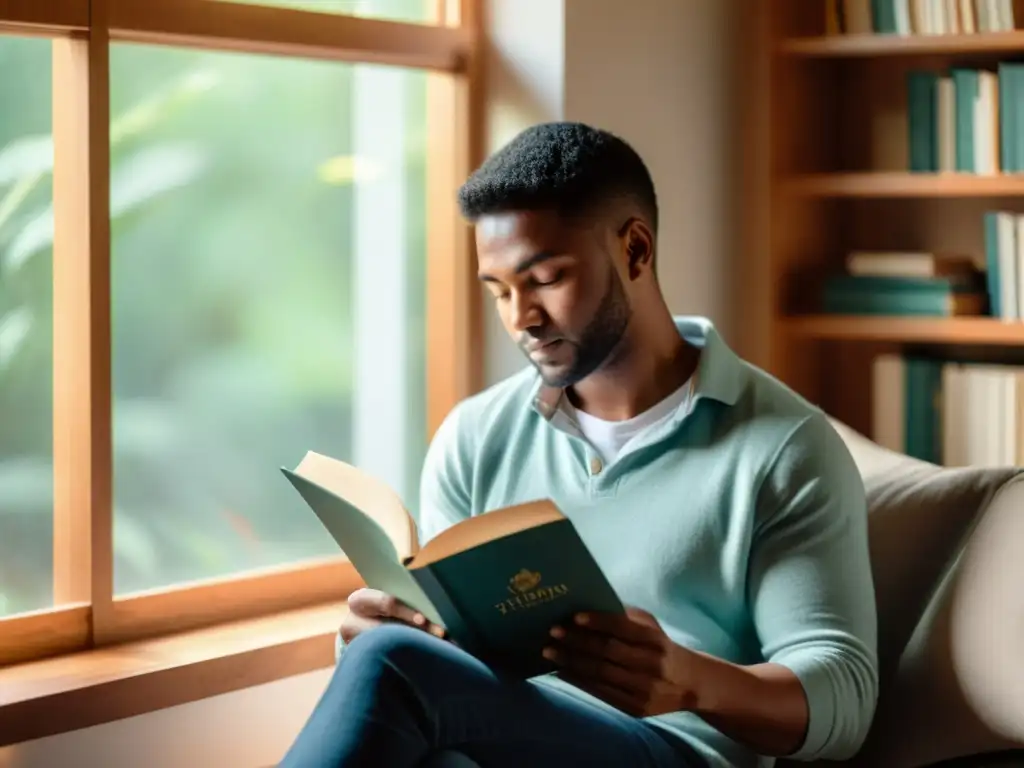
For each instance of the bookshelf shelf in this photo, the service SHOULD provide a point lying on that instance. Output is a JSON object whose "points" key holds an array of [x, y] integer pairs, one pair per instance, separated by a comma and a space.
{"points": [[921, 330], [899, 184], [843, 119], [860, 46]]}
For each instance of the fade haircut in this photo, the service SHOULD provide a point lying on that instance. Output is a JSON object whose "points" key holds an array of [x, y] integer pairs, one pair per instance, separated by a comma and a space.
{"points": [[567, 167]]}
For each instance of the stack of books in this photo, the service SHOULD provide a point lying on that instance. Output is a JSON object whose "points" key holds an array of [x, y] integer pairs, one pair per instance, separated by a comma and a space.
{"points": [[920, 17], [948, 412], [907, 284], [966, 120]]}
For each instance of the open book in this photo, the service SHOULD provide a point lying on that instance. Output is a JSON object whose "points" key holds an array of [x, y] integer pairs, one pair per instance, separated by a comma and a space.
{"points": [[496, 582]]}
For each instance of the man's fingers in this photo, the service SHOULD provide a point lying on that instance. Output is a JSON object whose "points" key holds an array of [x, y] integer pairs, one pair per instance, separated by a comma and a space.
{"points": [[354, 624], [374, 604], [621, 626], [641, 658]]}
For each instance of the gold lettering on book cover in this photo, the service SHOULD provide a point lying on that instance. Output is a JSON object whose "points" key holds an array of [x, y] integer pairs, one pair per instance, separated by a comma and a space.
{"points": [[527, 591]]}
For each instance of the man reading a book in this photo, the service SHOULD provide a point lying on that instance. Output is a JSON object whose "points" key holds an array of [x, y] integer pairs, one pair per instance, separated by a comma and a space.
{"points": [[726, 512]]}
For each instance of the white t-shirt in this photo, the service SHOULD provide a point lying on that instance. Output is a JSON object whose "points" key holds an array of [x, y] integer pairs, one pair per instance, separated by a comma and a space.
{"points": [[610, 437]]}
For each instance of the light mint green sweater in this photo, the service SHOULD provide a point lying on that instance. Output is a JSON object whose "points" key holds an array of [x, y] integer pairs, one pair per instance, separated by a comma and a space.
{"points": [[740, 524]]}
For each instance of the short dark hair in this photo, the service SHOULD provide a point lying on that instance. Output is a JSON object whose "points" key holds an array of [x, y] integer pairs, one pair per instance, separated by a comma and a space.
{"points": [[565, 166]]}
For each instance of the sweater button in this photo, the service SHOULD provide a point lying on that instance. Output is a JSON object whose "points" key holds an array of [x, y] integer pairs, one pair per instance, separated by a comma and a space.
{"points": [[596, 466]]}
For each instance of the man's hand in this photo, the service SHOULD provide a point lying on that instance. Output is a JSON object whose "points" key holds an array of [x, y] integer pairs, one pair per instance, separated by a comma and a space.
{"points": [[627, 661], [368, 608]]}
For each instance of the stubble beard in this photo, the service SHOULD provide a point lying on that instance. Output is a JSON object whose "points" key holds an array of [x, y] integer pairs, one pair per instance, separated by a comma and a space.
{"points": [[599, 340]]}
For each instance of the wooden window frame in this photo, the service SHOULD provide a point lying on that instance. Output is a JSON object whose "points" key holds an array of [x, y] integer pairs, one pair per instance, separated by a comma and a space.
{"points": [[87, 614]]}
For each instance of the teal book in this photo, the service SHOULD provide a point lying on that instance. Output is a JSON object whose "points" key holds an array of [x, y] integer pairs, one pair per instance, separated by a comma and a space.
{"points": [[938, 303], [883, 15], [946, 296], [992, 261], [966, 88], [1009, 117], [923, 409], [921, 121], [497, 582]]}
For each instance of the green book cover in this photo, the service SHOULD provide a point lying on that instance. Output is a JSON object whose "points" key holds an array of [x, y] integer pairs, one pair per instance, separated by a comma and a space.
{"points": [[1009, 75], [497, 582], [921, 112], [883, 15], [966, 89], [923, 409], [925, 303], [992, 276], [882, 283]]}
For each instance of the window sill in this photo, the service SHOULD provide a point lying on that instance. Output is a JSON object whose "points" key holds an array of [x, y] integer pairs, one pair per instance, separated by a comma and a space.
{"points": [[65, 693]]}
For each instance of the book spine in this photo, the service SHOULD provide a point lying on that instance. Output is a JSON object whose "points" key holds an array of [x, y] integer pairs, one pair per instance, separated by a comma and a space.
{"points": [[883, 15], [1007, 254], [888, 427], [921, 107], [965, 84], [907, 304], [1007, 120], [880, 283], [455, 622], [992, 276], [923, 398], [901, 12], [945, 123]]}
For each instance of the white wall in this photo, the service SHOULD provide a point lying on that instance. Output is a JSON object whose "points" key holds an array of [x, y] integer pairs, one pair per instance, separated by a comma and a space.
{"points": [[657, 72]]}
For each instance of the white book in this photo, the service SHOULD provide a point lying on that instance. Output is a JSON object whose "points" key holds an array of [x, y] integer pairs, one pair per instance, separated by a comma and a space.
{"points": [[1011, 410], [903, 25], [1018, 266], [888, 427], [922, 15], [1006, 15], [967, 16], [986, 150], [954, 416], [890, 264], [951, 17], [1018, 459], [989, 416], [974, 435], [984, 8]]}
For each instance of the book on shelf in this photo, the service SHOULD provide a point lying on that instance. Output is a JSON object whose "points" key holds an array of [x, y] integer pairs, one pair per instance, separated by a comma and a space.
{"points": [[910, 264], [1004, 255], [949, 412], [907, 284], [966, 120], [921, 17], [497, 582]]}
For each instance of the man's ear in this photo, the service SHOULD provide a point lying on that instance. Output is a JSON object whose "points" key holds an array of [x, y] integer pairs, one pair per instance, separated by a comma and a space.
{"points": [[639, 243]]}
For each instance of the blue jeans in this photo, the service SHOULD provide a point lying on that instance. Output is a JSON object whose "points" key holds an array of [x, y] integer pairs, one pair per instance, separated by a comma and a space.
{"points": [[399, 696]]}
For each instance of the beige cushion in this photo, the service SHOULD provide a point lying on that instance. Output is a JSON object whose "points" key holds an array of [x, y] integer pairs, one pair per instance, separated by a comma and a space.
{"points": [[947, 551]]}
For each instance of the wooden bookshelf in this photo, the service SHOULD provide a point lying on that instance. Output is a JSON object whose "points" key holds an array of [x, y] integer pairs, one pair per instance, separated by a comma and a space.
{"points": [[852, 46], [837, 178], [901, 184], [956, 331]]}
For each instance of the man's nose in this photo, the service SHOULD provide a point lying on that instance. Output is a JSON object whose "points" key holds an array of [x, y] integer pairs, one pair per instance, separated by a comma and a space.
{"points": [[523, 312]]}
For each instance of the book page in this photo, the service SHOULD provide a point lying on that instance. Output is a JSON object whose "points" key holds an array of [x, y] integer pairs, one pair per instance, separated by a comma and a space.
{"points": [[366, 544], [366, 493], [486, 527]]}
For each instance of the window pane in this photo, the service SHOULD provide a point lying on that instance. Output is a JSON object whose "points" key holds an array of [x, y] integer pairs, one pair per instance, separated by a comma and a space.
{"points": [[26, 326], [268, 270], [412, 11]]}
